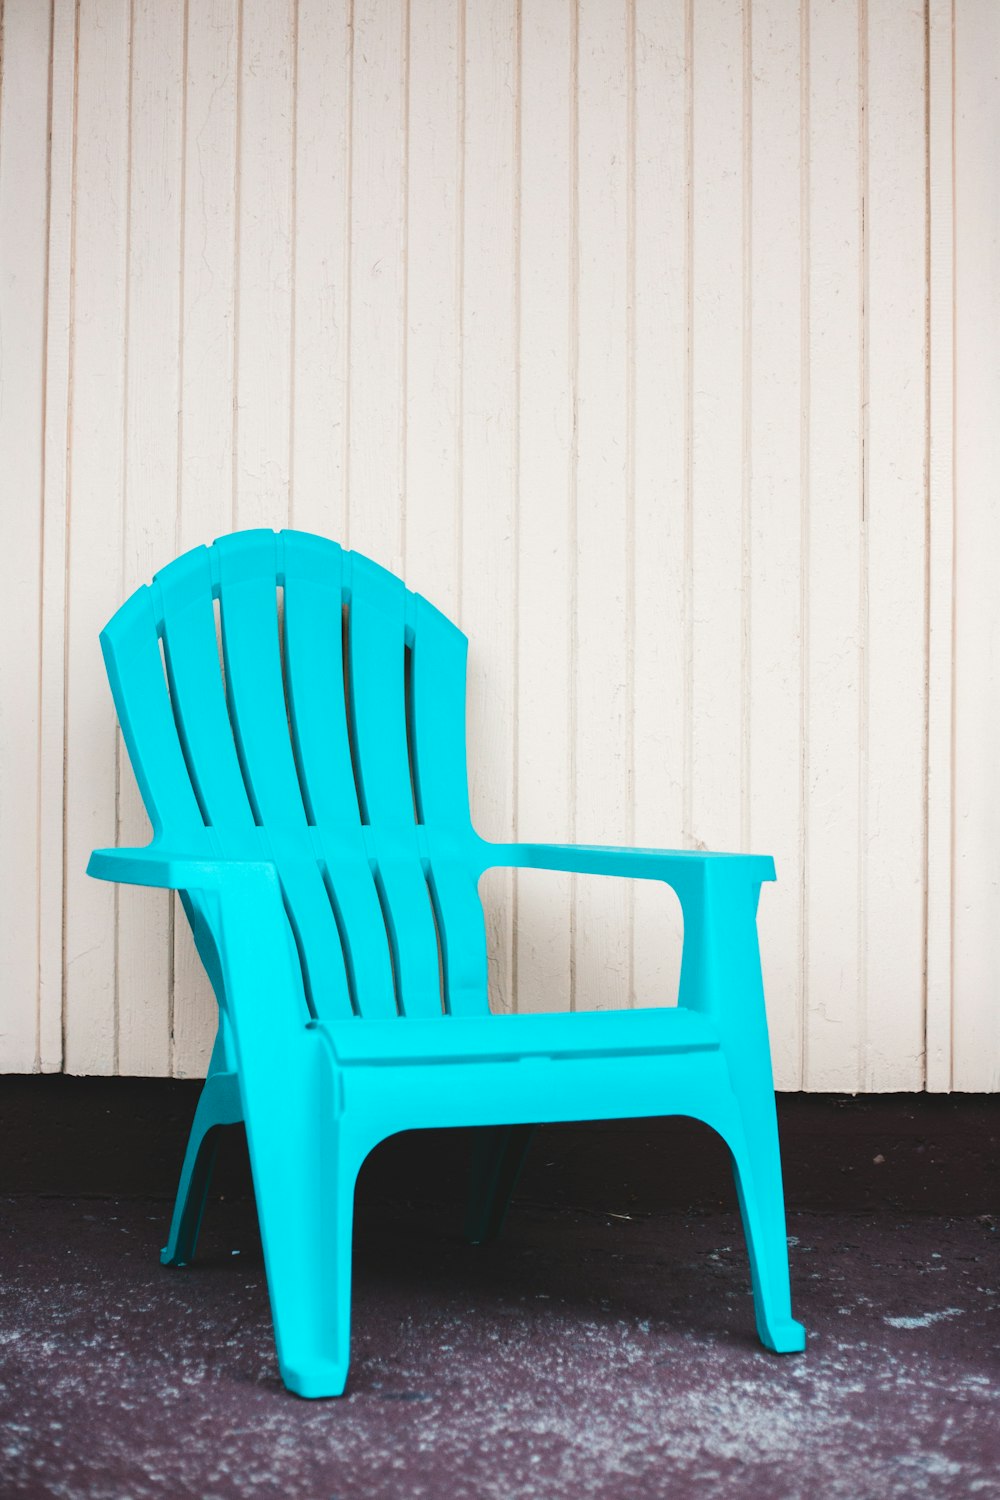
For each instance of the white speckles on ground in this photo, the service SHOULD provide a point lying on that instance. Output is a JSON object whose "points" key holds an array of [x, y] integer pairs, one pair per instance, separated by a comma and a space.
{"points": [[926, 1319], [579, 1357]]}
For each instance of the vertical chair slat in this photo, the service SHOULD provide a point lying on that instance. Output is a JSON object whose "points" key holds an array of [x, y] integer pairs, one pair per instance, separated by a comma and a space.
{"points": [[315, 673], [462, 929], [248, 569], [440, 651], [317, 938], [437, 736], [377, 638], [377, 641], [248, 585], [314, 596], [135, 670], [196, 689], [366, 946]]}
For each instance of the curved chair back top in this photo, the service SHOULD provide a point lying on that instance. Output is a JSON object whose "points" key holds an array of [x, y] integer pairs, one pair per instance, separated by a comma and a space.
{"points": [[283, 699]]}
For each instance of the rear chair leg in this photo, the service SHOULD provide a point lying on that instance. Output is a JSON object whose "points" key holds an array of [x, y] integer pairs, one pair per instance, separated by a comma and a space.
{"points": [[218, 1105], [499, 1156]]}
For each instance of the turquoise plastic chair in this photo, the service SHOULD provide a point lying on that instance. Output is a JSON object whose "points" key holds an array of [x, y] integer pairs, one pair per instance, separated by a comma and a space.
{"points": [[309, 799]]}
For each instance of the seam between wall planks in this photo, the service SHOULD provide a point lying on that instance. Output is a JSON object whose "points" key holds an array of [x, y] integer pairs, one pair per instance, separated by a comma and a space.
{"points": [[864, 455], [805, 550], [939, 847], [64, 70], [51, 789]]}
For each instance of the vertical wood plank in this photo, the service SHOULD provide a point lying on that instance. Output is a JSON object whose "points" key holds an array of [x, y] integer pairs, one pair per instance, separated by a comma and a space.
{"points": [[545, 533], [977, 547], [378, 175], [658, 546], [207, 354], [52, 759], [95, 531], [716, 770], [208, 273], [24, 83], [321, 215], [941, 539], [832, 704], [603, 520], [150, 535], [774, 420], [433, 286], [896, 534], [489, 436], [264, 264]]}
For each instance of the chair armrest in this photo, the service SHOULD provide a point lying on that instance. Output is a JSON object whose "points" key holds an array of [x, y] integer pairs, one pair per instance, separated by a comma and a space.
{"points": [[173, 870], [677, 867], [720, 967]]}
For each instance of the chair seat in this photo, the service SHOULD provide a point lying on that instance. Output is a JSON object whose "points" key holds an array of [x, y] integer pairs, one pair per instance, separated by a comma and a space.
{"points": [[501, 1038]]}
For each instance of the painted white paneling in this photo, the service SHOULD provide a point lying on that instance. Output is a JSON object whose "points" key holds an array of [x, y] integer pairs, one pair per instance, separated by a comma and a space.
{"points": [[941, 544], [976, 950], [658, 344], [376, 361], [95, 523], [321, 218], [831, 1015], [489, 508], [658, 211], [603, 519], [715, 772], [55, 497], [206, 491], [156, 100], [263, 376], [774, 427], [433, 269], [895, 438], [24, 68], [546, 487]]}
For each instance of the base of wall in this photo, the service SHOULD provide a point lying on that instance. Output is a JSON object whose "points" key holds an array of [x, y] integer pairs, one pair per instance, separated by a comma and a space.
{"points": [[931, 1153]]}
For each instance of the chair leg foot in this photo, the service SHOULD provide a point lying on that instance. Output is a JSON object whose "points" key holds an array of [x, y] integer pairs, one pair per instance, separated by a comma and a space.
{"points": [[788, 1337], [316, 1379]]}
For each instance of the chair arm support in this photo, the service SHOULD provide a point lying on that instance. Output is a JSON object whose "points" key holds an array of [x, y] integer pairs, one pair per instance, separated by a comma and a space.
{"points": [[261, 992]]}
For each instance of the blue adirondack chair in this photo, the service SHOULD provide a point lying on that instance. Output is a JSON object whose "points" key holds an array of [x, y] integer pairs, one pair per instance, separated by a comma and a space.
{"points": [[309, 800]]}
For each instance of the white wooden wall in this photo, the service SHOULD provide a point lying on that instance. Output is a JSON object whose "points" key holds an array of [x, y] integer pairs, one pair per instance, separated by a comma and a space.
{"points": [[657, 341]]}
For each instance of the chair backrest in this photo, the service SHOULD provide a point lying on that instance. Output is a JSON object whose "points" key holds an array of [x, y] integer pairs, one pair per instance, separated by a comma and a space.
{"points": [[281, 698]]}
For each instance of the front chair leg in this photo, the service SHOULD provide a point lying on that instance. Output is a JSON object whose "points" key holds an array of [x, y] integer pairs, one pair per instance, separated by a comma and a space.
{"points": [[305, 1150], [721, 978], [306, 1222], [757, 1172]]}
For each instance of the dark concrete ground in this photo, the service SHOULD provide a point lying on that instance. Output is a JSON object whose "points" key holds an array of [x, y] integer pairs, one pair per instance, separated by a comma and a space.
{"points": [[604, 1347]]}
